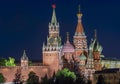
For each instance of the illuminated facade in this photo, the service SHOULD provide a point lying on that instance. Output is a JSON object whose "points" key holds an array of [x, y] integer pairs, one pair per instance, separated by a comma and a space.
{"points": [[76, 56], [110, 63], [51, 51]]}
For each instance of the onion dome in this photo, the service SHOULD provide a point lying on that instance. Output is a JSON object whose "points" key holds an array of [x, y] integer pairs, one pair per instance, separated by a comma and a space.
{"points": [[82, 57], [95, 46], [79, 28], [91, 45], [24, 57], [67, 46]]}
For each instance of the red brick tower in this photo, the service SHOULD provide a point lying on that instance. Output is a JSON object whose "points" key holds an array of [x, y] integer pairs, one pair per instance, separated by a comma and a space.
{"points": [[24, 61], [51, 51], [79, 40]]}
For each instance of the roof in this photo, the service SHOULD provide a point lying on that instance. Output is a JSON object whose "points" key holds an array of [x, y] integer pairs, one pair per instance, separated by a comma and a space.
{"points": [[113, 70], [111, 59], [79, 28], [24, 57], [54, 19], [67, 47], [82, 57]]}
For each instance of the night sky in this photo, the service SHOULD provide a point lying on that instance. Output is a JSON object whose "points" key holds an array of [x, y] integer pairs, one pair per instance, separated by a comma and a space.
{"points": [[24, 24]]}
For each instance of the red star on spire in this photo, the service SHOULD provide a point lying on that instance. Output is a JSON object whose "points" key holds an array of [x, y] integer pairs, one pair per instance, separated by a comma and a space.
{"points": [[53, 6]]}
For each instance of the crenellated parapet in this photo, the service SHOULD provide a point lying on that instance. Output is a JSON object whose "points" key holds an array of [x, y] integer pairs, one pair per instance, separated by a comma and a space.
{"points": [[50, 48]]}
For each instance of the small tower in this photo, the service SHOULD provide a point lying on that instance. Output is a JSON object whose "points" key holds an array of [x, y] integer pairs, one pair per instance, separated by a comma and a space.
{"points": [[80, 41], [24, 61], [97, 49], [68, 53], [90, 63], [68, 49], [90, 59]]}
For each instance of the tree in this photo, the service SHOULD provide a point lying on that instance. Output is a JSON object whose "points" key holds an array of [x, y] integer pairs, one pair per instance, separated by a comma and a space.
{"points": [[2, 78], [18, 77], [100, 79], [81, 79], [65, 76], [10, 62], [30, 63], [2, 62], [44, 80], [66, 73], [32, 78]]}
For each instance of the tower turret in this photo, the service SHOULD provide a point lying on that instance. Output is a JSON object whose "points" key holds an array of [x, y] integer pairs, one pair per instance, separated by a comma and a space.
{"points": [[67, 54], [90, 59], [68, 47], [24, 61], [79, 40], [97, 49]]}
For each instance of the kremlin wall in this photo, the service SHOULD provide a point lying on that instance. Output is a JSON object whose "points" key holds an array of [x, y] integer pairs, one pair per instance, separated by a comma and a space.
{"points": [[77, 56]]}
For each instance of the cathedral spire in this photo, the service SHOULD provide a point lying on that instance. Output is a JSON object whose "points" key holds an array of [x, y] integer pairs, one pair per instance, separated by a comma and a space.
{"points": [[67, 37], [95, 34], [79, 28], [24, 53], [78, 8], [54, 20]]}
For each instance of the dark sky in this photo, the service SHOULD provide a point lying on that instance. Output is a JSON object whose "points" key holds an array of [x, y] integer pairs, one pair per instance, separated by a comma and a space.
{"points": [[24, 24]]}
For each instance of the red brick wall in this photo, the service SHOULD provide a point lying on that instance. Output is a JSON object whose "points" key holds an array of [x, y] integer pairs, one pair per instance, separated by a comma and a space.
{"points": [[9, 72]]}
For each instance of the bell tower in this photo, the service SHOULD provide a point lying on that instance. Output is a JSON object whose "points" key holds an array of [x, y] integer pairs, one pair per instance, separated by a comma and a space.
{"points": [[80, 41]]}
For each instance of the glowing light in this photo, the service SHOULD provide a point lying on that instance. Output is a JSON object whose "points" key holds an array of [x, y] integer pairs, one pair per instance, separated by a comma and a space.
{"points": [[53, 6]]}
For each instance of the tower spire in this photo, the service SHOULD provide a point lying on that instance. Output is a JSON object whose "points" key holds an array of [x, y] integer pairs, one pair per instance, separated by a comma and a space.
{"points": [[24, 57], [79, 28], [95, 33], [67, 37], [24, 53], [78, 8], [54, 20]]}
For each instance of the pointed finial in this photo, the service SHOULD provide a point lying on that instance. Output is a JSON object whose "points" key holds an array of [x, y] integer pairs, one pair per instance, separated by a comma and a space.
{"points": [[79, 8], [67, 36], [79, 13], [24, 53], [24, 50], [95, 35]]}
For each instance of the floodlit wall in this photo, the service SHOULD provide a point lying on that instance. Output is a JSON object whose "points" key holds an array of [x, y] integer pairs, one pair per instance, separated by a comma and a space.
{"points": [[9, 72], [110, 63]]}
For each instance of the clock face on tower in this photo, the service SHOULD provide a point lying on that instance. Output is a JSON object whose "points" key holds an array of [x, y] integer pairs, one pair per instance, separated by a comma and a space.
{"points": [[51, 40]]}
